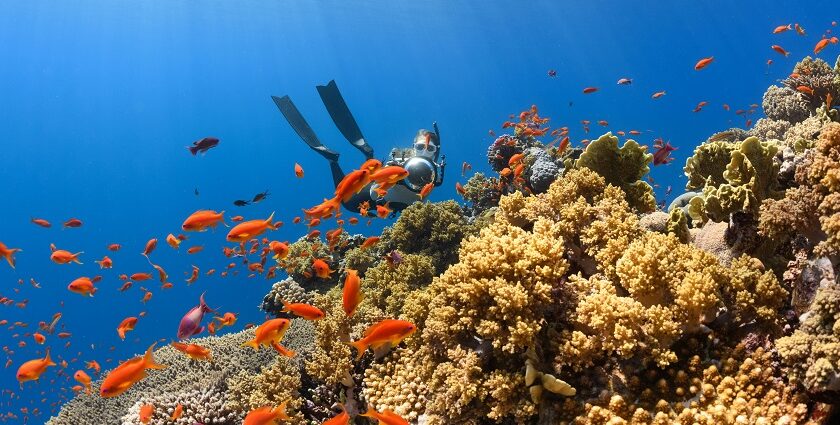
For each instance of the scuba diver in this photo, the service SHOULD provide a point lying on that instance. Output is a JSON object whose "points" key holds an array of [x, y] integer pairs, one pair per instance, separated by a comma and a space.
{"points": [[420, 160]]}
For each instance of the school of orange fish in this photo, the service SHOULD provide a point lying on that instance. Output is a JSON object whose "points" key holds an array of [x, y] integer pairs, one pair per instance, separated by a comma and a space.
{"points": [[245, 235]]}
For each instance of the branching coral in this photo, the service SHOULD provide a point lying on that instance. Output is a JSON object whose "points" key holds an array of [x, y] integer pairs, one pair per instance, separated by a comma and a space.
{"points": [[389, 286], [203, 406], [622, 167]]}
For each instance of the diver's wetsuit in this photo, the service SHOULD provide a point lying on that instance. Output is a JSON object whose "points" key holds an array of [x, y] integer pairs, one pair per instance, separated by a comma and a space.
{"points": [[398, 197]]}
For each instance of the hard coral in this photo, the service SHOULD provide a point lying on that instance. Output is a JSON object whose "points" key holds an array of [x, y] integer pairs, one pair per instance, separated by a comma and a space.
{"points": [[785, 104], [285, 290], [274, 384]]}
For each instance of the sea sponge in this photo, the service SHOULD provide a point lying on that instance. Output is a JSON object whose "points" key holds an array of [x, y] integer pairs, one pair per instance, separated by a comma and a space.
{"points": [[768, 129], [622, 167], [543, 169]]}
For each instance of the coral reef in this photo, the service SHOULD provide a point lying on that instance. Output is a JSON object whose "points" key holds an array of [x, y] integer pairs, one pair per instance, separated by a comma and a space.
{"points": [[481, 193], [274, 384], [285, 290], [204, 406]]}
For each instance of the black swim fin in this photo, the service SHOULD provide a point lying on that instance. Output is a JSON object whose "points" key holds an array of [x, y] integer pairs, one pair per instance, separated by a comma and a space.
{"points": [[343, 119], [302, 128]]}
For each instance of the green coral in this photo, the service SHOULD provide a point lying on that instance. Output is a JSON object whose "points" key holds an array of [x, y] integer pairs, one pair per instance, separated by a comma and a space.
{"points": [[678, 225], [622, 167], [482, 193], [749, 177], [390, 286], [432, 229]]}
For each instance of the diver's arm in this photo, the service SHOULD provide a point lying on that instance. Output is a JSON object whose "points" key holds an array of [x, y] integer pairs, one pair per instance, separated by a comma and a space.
{"points": [[441, 168]]}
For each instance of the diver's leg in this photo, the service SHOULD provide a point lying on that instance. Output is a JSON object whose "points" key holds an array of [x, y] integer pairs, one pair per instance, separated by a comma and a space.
{"points": [[302, 128], [337, 172], [343, 119]]}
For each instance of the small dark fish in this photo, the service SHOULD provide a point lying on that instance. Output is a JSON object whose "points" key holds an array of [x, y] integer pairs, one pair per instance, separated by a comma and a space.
{"points": [[203, 145], [260, 196], [196, 191], [394, 258], [552, 73], [241, 203]]}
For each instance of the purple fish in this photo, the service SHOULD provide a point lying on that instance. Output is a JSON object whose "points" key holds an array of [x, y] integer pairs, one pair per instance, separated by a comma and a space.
{"points": [[191, 322], [663, 153], [203, 145]]}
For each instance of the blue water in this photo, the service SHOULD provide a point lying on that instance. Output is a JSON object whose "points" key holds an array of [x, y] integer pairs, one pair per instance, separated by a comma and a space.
{"points": [[99, 100]]}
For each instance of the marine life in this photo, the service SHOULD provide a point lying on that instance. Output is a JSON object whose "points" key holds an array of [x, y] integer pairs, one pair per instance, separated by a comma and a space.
{"points": [[8, 254], [658, 94], [388, 331], [783, 28], [58, 256], [72, 223], [266, 415], [702, 63], [128, 373], [780, 50], [41, 222], [821, 45], [241, 203], [270, 333], [105, 263], [351, 292], [33, 369], [201, 220], [126, 325], [260, 196], [386, 417], [306, 311], [203, 145], [662, 155], [552, 73], [588, 90], [194, 351], [83, 378], [321, 268], [82, 286], [298, 171], [190, 324], [250, 229], [624, 81], [146, 412]]}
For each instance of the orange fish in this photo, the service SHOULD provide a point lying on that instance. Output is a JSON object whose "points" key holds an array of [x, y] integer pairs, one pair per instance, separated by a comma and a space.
{"points": [[266, 415], [782, 28], [388, 331], [237, 218], [194, 275], [162, 276], [270, 333], [8, 254], [39, 338], [41, 222], [194, 351], [820, 46], [83, 378], [382, 211], [352, 292], [82, 286], [195, 249], [702, 63], [128, 373], [298, 171], [172, 241], [370, 241], [73, 222], [386, 417], [114, 247], [227, 319], [179, 411], [242, 232], [146, 412], [588, 90], [60, 256], [342, 418], [321, 268], [126, 325], [126, 286], [306, 311], [280, 249], [780, 50], [426, 190], [146, 297], [200, 220], [32, 369], [460, 189], [93, 365], [658, 94], [799, 29], [105, 263], [352, 184], [805, 89], [139, 277]]}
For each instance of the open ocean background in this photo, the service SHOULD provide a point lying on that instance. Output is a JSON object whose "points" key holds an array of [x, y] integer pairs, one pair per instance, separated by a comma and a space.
{"points": [[100, 98]]}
